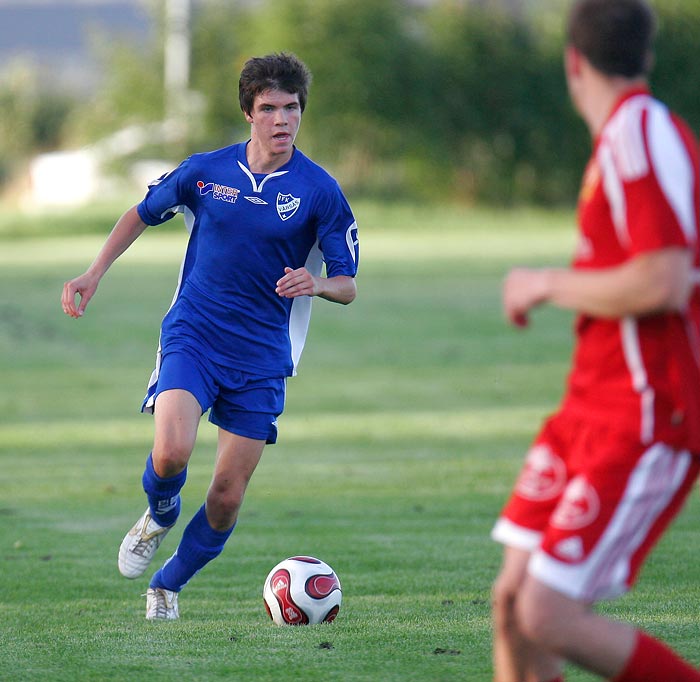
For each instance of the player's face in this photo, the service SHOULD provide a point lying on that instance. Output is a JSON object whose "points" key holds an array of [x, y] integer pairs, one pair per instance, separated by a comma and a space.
{"points": [[275, 121]]}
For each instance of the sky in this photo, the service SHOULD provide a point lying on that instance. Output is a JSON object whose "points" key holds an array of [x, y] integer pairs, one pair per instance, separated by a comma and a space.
{"points": [[56, 37]]}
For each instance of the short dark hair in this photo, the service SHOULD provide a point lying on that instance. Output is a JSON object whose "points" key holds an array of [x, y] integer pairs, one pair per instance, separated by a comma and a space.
{"points": [[616, 36], [283, 71]]}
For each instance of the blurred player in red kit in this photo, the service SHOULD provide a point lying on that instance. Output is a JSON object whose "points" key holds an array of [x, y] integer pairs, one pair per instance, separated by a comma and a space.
{"points": [[609, 471]]}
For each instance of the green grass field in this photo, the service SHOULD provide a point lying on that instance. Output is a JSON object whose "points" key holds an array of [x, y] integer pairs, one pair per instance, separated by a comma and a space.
{"points": [[402, 436]]}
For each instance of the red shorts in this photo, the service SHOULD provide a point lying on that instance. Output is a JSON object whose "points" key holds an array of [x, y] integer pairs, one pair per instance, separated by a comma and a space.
{"points": [[590, 503]]}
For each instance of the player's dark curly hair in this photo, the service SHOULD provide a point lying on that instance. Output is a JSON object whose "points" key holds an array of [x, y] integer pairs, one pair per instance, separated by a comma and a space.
{"points": [[283, 71], [616, 36]]}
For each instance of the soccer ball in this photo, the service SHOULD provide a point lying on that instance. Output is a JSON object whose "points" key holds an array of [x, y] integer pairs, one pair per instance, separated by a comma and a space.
{"points": [[302, 590]]}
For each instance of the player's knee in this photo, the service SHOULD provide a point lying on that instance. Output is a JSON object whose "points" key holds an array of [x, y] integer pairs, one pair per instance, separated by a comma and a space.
{"points": [[170, 458], [503, 596], [532, 622], [223, 505], [539, 618]]}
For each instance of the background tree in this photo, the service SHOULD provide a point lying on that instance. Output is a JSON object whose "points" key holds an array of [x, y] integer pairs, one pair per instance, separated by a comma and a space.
{"points": [[447, 100]]}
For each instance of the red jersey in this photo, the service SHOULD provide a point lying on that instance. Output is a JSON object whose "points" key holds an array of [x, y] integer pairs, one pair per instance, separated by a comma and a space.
{"points": [[639, 194]]}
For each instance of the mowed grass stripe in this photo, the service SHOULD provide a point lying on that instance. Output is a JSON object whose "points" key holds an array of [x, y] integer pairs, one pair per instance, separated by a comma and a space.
{"points": [[401, 439]]}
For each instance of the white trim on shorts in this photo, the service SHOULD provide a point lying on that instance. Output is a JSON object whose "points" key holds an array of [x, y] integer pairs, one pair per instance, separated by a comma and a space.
{"points": [[508, 533]]}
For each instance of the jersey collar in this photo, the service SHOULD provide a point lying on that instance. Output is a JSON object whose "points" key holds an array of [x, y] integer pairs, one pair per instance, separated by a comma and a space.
{"points": [[625, 97], [243, 159], [629, 94]]}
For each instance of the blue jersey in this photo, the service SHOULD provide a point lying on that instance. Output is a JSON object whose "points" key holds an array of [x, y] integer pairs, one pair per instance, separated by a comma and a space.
{"points": [[245, 228]]}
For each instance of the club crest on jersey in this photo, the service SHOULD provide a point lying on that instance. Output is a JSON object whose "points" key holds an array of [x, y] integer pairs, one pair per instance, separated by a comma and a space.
{"points": [[287, 205], [219, 192]]}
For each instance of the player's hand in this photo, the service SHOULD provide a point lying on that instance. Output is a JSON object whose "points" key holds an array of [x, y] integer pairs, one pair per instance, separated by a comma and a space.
{"points": [[299, 282], [84, 286], [523, 289]]}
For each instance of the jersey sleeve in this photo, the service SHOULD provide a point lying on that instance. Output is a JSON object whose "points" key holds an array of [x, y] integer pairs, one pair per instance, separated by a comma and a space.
{"points": [[165, 197], [661, 209], [337, 234]]}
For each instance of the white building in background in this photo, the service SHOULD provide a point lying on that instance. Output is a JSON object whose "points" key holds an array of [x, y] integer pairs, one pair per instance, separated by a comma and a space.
{"points": [[75, 177], [67, 178], [57, 41]]}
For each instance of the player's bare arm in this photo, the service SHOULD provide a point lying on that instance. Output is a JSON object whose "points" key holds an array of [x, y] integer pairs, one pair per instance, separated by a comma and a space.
{"points": [[125, 232], [300, 282], [649, 283]]}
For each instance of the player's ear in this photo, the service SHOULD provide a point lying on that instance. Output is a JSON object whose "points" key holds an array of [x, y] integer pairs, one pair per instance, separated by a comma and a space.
{"points": [[572, 61]]}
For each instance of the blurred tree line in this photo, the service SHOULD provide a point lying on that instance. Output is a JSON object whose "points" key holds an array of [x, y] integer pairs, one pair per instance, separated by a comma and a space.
{"points": [[444, 100]]}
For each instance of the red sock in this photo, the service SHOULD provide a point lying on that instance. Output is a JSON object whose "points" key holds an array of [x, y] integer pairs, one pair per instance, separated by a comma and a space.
{"points": [[652, 661]]}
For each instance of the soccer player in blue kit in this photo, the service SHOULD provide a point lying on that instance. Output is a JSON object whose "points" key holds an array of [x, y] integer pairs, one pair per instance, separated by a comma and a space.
{"points": [[263, 220]]}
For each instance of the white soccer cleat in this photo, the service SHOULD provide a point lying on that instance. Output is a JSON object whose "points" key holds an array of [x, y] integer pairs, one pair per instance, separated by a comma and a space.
{"points": [[139, 545], [161, 604]]}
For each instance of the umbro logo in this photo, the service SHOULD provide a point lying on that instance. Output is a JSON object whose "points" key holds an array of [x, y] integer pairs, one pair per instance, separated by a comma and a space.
{"points": [[256, 200]]}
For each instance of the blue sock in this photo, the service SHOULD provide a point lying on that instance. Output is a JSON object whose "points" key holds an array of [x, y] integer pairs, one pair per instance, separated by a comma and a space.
{"points": [[163, 493], [199, 545]]}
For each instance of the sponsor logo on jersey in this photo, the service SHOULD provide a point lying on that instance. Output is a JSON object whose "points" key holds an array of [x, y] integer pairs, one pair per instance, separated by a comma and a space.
{"points": [[219, 192], [579, 506], [543, 475], [256, 200], [287, 205]]}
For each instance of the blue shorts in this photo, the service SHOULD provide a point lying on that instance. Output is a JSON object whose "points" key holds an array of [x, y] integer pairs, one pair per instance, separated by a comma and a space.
{"points": [[241, 403]]}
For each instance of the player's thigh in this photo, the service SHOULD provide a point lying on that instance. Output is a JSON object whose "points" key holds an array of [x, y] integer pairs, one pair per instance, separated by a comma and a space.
{"points": [[509, 581], [176, 416], [513, 569]]}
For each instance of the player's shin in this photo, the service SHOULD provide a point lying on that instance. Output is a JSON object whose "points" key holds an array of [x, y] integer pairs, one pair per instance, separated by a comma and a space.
{"points": [[653, 660], [163, 494], [199, 545]]}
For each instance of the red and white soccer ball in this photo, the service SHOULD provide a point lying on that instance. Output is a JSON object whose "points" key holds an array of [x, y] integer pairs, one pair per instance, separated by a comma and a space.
{"points": [[302, 590]]}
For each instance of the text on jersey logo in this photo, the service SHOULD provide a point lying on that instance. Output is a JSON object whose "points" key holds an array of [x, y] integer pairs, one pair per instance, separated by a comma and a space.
{"points": [[220, 192], [287, 205]]}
